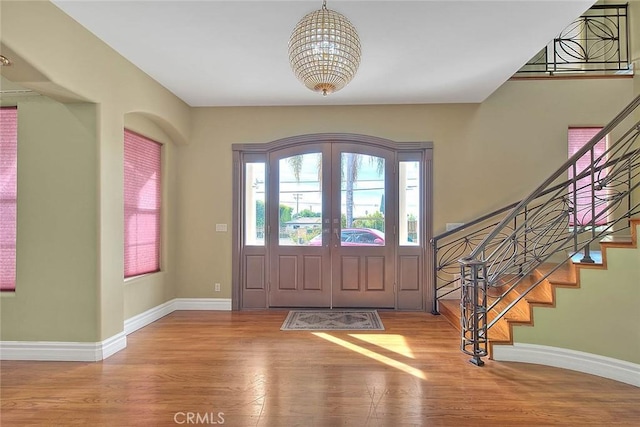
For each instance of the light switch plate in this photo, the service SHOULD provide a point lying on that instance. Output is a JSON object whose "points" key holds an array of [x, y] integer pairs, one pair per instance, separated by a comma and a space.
{"points": [[453, 225]]}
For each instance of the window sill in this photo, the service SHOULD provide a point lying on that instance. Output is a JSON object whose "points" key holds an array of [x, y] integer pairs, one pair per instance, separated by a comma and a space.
{"points": [[140, 277]]}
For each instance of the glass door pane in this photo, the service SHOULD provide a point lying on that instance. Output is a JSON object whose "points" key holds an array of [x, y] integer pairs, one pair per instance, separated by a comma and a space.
{"points": [[300, 197], [254, 204], [362, 200], [409, 203]]}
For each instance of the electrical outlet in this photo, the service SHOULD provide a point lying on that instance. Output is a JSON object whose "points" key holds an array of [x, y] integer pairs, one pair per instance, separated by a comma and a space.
{"points": [[217, 287]]}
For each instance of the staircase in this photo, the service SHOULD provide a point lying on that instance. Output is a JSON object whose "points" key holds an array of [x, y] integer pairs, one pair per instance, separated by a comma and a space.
{"points": [[490, 272], [551, 276]]}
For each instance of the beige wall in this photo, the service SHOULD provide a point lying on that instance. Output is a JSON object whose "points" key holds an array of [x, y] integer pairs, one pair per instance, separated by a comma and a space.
{"points": [[57, 212], [485, 156], [599, 318], [634, 17], [55, 55]]}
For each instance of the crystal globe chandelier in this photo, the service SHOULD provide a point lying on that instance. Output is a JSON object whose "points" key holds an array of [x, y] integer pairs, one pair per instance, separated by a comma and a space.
{"points": [[324, 50]]}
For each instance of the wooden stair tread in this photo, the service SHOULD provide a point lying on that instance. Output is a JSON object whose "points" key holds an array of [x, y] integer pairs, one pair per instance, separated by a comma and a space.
{"points": [[541, 294], [613, 240], [519, 313], [500, 332], [563, 275], [450, 309]]}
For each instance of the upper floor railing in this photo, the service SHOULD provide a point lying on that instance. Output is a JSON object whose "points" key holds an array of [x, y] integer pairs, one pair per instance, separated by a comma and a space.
{"points": [[597, 41]]}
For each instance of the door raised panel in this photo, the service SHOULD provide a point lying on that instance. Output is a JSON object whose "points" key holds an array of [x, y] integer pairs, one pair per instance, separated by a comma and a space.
{"points": [[350, 269], [287, 272], [312, 273], [409, 273], [374, 273], [255, 272]]}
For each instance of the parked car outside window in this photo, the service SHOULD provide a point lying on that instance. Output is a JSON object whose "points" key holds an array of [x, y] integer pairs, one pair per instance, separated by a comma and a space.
{"points": [[355, 237]]}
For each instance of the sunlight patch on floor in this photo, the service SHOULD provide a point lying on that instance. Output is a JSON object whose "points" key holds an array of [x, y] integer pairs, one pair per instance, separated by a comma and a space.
{"points": [[392, 342], [373, 355]]}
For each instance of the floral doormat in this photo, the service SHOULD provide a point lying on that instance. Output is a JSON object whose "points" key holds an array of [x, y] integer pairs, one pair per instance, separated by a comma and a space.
{"points": [[332, 320]]}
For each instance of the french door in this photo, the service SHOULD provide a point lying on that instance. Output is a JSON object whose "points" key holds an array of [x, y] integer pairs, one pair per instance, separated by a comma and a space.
{"points": [[331, 221], [333, 247]]}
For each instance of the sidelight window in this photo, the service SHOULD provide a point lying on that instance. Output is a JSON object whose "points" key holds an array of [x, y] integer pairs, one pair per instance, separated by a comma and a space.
{"points": [[409, 202], [254, 203]]}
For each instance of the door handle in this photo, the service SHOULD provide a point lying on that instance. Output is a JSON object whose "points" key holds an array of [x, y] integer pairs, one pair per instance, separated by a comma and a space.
{"points": [[336, 231], [326, 237]]}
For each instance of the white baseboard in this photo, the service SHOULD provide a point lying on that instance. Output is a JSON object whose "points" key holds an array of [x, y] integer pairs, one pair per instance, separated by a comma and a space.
{"points": [[602, 366], [93, 352], [216, 304], [112, 345], [62, 351], [143, 319]]}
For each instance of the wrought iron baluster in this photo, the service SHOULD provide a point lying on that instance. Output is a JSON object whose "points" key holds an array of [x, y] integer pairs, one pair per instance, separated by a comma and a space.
{"points": [[473, 308], [574, 195], [434, 277], [586, 258]]}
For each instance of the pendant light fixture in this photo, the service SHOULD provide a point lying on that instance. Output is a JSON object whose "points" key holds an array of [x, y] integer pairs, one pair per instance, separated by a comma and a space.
{"points": [[324, 50]]}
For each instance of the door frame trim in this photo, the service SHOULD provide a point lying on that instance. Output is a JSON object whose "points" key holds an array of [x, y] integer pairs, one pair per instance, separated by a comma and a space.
{"points": [[240, 150], [278, 144]]}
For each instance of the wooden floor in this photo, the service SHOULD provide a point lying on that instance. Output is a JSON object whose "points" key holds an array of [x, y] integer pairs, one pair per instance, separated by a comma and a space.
{"points": [[239, 369]]}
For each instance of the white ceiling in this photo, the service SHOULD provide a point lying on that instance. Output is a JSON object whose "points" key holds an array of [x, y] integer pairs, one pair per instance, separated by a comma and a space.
{"points": [[234, 53]]}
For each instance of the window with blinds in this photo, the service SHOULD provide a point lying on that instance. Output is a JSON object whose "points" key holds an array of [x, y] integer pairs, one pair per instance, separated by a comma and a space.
{"points": [[587, 205], [142, 202], [8, 196]]}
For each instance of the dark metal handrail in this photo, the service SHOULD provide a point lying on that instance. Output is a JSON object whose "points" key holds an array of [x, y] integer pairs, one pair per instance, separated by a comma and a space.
{"points": [[560, 218], [562, 169], [488, 222]]}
